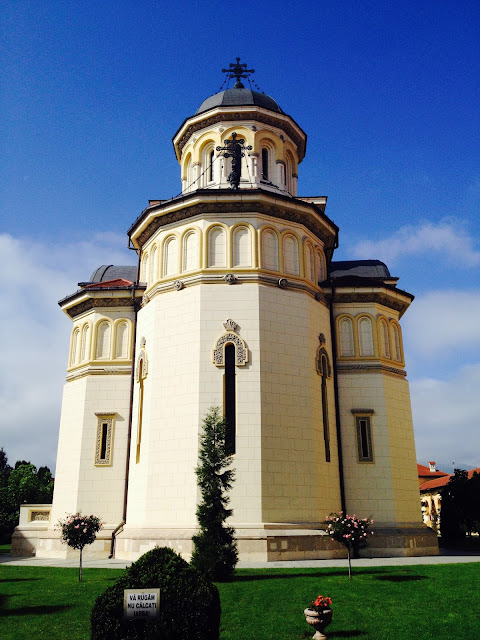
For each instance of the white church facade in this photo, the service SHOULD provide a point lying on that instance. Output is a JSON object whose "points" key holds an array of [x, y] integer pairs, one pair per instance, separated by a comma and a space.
{"points": [[236, 302]]}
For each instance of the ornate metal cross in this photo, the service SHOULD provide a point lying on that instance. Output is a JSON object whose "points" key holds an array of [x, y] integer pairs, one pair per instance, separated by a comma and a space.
{"points": [[234, 149], [238, 71]]}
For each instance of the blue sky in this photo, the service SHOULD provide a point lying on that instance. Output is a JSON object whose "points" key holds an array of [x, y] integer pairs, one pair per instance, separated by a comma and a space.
{"points": [[388, 93]]}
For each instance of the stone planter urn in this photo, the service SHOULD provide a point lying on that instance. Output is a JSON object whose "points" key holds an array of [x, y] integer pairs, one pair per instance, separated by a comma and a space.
{"points": [[319, 620]]}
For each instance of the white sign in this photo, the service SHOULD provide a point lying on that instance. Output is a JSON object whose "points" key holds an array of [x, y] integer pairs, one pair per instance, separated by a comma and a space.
{"points": [[141, 603]]}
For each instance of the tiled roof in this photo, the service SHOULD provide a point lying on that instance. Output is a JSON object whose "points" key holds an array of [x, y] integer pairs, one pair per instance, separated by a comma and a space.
{"points": [[423, 470], [437, 483], [118, 283]]}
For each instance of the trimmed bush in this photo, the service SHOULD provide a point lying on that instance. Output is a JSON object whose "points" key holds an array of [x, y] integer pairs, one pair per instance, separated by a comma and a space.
{"points": [[189, 603]]}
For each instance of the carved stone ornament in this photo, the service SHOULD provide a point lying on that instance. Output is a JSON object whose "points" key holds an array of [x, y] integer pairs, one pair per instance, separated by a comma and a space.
{"points": [[39, 516], [321, 338], [241, 350], [141, 368], [178, 285], [230, 325], [230, 278], [145, 299], [143, 342], [282, 283]]}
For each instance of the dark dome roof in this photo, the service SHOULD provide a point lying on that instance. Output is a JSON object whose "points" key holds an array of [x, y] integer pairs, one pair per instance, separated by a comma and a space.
{"points": [[113, 272], [239, 97]]}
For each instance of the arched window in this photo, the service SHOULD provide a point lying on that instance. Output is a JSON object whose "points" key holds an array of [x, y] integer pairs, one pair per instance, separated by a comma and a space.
{"points": [[290, 255], [345, 331], [170, 257], [190, 251], [365, 337], [211, 173], [265, 164], [153, 266], [74, 352], [188, 174], [121, 342], [397, 351], [141, 371], [324, 370], [384, 340], [321, 267], [103, 340], [84, 348], [242, 247], [309, 262], [270, 250], [289, 170], [145, 262], [217, 248]]}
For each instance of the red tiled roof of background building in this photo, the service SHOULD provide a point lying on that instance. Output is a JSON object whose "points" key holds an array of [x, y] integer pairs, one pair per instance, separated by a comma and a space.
{"points": [[437, 483], [423, 470], [120, 282]]}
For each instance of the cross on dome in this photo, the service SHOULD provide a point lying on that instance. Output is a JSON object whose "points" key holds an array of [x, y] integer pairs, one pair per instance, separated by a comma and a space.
{"points": [[238, 71]]}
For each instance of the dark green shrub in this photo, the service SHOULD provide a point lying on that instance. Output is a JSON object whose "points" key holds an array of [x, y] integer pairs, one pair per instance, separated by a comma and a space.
{"points": [[189, 603]]}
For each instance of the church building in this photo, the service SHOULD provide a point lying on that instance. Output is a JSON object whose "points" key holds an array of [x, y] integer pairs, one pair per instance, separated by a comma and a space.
{"points": [[236, 302]]}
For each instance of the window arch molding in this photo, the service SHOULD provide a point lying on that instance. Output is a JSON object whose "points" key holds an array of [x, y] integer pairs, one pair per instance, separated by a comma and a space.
{"points": [[396, 342], [269, 155], [290, 173], [309, 260], [383, 333], [320, 265], [187, 259], [209, 168], [293, 262], [187, 172], [103, 328], [75, 347], [153, 266], [346, 336], [364, 348], [207, 246], [85, 342], [252, 240], [115, 341], [170, 262], [241, 349], [274, 263]]}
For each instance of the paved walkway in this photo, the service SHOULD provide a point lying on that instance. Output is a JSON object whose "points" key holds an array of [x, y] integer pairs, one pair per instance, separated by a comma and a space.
{"points": [[446, 557]]}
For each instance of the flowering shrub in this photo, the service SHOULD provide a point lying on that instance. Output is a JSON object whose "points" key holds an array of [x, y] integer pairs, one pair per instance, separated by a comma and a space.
{"points": [[350, 531], [321, 603], [77, 531]]}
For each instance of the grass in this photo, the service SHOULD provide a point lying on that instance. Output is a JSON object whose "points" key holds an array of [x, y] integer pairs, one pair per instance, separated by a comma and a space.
{"points": [[431, 602]]}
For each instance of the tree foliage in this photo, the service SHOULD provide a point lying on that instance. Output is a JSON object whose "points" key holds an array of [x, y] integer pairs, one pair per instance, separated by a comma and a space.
{"points": [[77, 531], [215, 548], [21, 485], [460, 514]]}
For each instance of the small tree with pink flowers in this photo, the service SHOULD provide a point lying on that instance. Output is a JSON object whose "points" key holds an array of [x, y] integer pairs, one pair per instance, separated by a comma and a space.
{"points": [[77, 531], [350, 531]]}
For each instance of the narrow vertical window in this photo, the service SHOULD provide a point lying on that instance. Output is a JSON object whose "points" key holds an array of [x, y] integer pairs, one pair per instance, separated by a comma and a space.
{"points": [[229, 394], [384, 339], [324, 370], [345, 330], [104, 439], [265, 173], [140, 413], [84, 352], [363, 427], [396, 343], [365, 337], [210, 167]]}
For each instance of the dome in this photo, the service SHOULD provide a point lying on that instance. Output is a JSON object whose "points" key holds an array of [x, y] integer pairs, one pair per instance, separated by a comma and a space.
{"points": [[239, 97]]}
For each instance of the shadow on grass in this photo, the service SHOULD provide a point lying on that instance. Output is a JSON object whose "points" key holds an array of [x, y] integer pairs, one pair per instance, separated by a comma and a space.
{"points": [[339, 634], [401, 578], [18, 579], [35, 611], [313, 574]]}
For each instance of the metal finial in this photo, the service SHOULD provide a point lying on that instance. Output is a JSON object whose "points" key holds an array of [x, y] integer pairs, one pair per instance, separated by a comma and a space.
{"points": [[238, 71]]}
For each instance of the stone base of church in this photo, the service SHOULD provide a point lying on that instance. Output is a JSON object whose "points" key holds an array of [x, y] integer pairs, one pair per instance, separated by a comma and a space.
{"points": [[262, 543]]}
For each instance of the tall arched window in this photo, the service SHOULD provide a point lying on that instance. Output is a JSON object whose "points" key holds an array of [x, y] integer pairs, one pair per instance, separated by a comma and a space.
{"points": [[190, 251], [211, 173], [84, 349], [229, 395], [270, 250], [365, 337], [188, 174], [141, 371], [121, 342], [74, 352], [397, 351], [384, 340], [170, 257], [103, 340], [153, 266], [217, 248], [289, 170], [346, 343], [309, 262], [144, 270], [324, 370], [290, 255], [321, 267], [265, 164], [242, 247]]}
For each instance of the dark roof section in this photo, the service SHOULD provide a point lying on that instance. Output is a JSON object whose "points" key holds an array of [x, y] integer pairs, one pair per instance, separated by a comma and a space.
{"points": [[239, 97], [359, 268], [113, 272]]}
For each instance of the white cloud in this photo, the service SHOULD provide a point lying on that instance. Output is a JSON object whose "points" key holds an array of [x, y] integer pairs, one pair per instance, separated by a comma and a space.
{"points": [[448, 238], [35, 334], [446, 417], [441, 323]]}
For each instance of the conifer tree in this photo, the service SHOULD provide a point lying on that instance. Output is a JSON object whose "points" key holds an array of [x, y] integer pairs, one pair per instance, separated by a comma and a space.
{"points": [[215, 548]]}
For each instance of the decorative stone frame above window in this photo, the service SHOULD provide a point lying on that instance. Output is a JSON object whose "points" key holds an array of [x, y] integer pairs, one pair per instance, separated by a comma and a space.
{"points": [[141, 368], [104, 439], [230, 337]]}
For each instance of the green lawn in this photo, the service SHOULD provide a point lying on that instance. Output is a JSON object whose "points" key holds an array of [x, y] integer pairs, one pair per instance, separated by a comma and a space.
{"points": [[436, 602]]}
